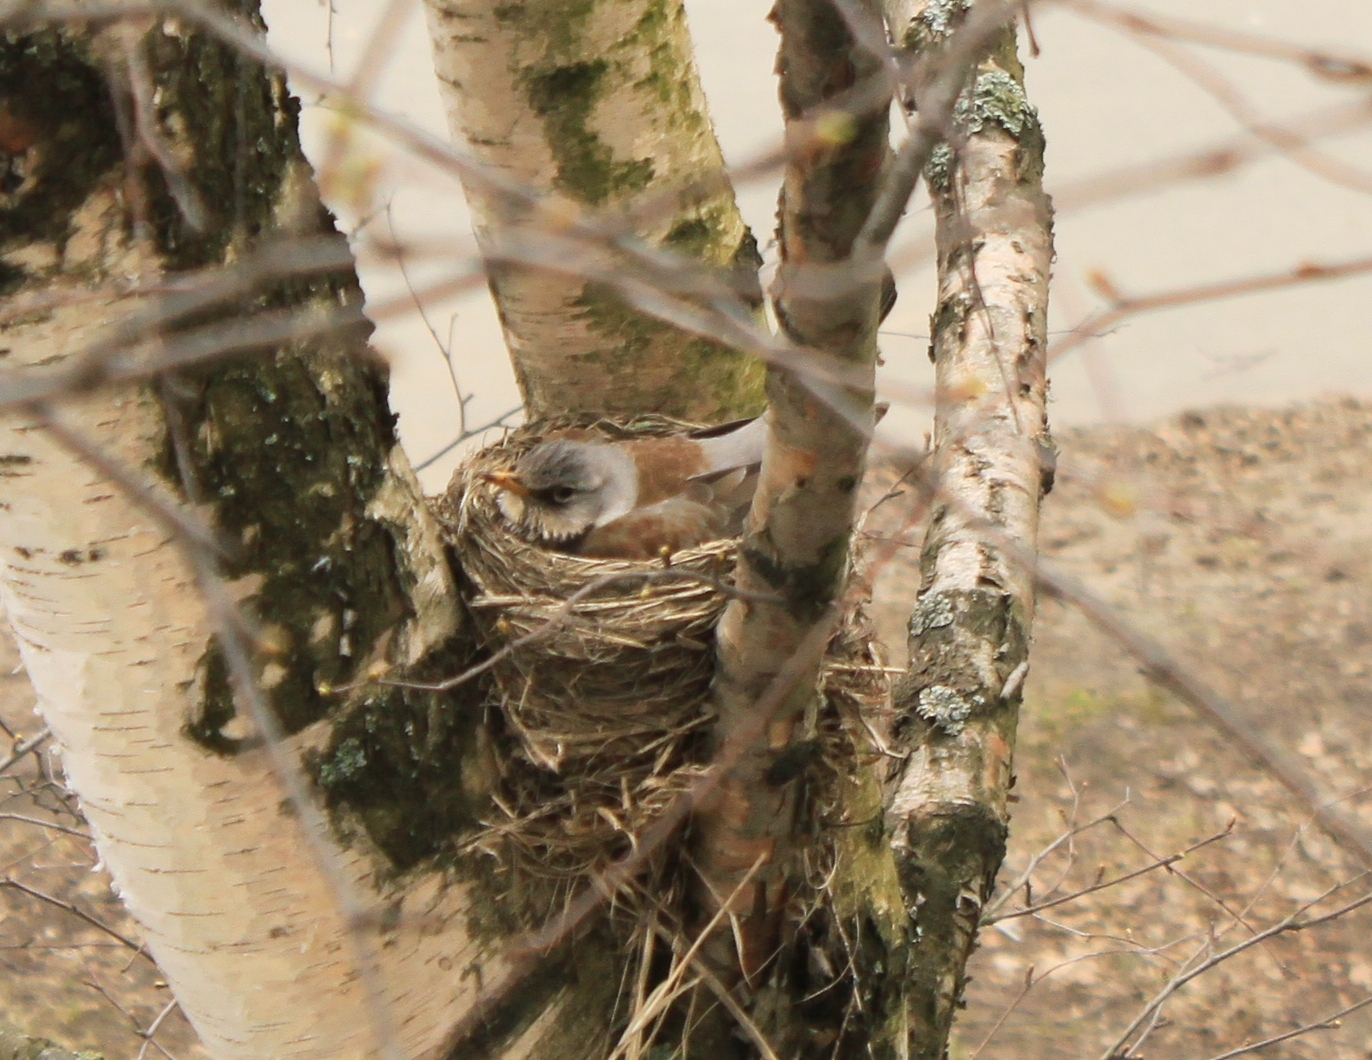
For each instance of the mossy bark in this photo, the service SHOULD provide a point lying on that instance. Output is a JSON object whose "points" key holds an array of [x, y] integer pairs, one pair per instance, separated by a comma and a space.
{"points": [[290, 454], [597, 104], [957, 706]]}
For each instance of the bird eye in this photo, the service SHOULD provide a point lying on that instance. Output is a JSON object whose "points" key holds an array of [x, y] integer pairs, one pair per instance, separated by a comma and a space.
{"points": [[562, 494]]}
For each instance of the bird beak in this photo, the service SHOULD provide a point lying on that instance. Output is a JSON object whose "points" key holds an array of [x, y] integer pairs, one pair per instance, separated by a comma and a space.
{"points": [[506, 480]]}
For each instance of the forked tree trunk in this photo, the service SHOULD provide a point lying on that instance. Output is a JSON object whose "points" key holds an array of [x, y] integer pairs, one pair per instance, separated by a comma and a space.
{"points": [[146, 151]]}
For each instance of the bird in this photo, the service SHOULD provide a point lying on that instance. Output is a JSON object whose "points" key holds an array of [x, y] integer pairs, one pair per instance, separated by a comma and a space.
{"points": [[637, 498]]}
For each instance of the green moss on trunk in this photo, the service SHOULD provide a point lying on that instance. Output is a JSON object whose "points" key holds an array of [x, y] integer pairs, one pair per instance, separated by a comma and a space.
{"points": [[287, 451]]}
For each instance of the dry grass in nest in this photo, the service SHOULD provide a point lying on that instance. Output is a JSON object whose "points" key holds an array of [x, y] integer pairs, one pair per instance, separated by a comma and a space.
{"points": [[603, 678]]}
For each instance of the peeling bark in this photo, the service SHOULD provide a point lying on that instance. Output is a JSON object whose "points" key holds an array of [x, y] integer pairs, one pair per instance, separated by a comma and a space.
{"points": [[597, 105], [958, 705], [797, 537]]}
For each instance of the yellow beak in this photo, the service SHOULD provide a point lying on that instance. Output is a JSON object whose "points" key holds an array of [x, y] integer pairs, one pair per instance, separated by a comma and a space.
{"points": [[506, 480]]}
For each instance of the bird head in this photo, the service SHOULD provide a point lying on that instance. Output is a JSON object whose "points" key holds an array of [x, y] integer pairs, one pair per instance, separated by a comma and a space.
{"points": [[560, 489]]}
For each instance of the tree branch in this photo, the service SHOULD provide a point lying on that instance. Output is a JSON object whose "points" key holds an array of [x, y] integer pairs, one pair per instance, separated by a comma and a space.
{"points": [[797, 539], [956, 709]]}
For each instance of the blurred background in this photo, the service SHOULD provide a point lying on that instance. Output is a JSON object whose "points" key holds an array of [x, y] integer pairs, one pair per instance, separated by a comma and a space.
{"points": [[1114, 106], [1215, 486]]}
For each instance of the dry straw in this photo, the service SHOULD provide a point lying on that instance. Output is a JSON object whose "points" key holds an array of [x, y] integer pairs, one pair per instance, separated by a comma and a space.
{"points": [[605, 694]]}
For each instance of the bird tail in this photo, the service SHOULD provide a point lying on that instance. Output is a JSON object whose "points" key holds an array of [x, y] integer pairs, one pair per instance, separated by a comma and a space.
{"points": [[733, 445]]}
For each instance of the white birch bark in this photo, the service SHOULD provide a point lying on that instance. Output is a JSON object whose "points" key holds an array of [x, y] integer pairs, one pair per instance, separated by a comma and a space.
{"points": [[796, 542], [112, 630], [115, 635], [957, 706], [596, 105]]}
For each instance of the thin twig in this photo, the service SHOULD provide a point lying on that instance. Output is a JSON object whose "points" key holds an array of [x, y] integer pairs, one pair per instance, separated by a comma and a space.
{"points": [[96, 985], [1161, 668], [152, 1030], [182, 190], [1159, 863], [1239, 916], [1029, 983], [1219, 88], [269, 329], [1330, 1022], [45, 824], [1290, 923], [989, 914], [78, 912], [499, 421], [25, 747], [1345, 68], [1127, 306]]}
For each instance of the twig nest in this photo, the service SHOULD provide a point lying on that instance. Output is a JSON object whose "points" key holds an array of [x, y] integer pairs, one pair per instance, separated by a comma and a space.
{"points": [[602, 659], [602, 670]]}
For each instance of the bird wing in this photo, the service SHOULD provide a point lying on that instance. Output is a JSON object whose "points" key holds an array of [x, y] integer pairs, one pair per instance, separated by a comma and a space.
{"points": [[734, 459], [671, 525], [734, 496], [730, 492]]}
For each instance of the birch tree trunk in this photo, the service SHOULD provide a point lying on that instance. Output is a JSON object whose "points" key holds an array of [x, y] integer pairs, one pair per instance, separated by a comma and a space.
{"points": [[957, 707], [797, 542], [286, 448], [597, 105]]}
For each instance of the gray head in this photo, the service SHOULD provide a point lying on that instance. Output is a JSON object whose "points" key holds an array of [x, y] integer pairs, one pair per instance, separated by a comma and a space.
{"points": [[562, 488]]}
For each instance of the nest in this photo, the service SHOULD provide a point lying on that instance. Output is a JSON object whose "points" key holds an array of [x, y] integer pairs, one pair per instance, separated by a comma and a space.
{"points": [[602, 674]]}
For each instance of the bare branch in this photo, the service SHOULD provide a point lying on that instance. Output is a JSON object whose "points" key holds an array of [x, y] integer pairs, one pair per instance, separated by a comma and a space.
{"points": [[24, 747], [78, 912], [1288, 924], [989, 915], [1330, 1022], [1131, 305], [1160, 667], [45, 824], [1157, 863], [1342, 68]]}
